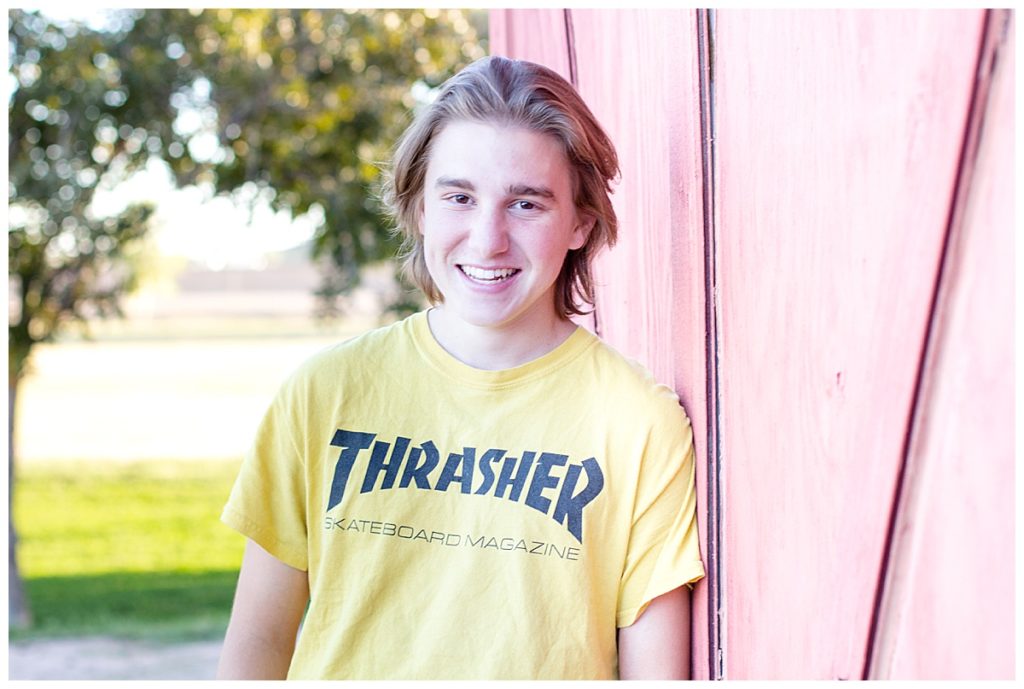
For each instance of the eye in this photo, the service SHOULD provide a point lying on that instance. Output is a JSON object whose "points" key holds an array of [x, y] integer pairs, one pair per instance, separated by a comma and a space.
{"points": [[524, 205], [460, 199]]}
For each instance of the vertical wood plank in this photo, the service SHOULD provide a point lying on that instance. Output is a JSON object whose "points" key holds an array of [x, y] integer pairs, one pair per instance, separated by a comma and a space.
{"points": [[838, 136], [535, 35], [637, 70], [948, 607]]}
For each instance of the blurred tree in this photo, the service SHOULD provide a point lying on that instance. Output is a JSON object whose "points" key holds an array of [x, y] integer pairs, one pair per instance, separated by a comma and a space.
{"points": [[300, 106], [74, 124], [294, 107]]}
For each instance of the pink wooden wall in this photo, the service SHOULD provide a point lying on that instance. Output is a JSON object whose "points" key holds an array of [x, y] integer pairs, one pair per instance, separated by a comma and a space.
{"points": [[951, 576], [854, 480]]}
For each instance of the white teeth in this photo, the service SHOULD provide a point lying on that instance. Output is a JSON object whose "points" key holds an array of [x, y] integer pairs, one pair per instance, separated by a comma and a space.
{"points": [[485, 274]]}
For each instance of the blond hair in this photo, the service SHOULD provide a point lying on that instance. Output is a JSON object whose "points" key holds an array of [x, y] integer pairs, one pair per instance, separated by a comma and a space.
{"points": [[512, 93]]}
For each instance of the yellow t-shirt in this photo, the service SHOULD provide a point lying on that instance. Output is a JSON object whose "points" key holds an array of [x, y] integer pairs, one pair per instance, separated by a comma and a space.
{"points": [[468, 524]]}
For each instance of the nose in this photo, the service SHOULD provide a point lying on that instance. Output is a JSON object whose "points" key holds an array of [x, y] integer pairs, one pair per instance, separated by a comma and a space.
{"points": [[488, 233]]}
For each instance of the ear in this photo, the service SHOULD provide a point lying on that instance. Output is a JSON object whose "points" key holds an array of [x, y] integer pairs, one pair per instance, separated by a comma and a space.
{"points": [[581, 233]]}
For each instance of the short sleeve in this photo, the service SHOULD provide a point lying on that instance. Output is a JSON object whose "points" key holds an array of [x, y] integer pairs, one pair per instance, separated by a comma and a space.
{"points": [[663, 551], [267, 501]]}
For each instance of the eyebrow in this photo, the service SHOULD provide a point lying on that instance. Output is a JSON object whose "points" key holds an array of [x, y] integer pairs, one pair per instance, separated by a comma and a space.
{"points": [[513, 190], [453, 182], [526, 190]]}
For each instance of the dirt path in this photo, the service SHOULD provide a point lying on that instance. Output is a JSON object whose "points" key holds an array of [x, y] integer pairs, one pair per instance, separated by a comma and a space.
{"points": [[107, 658]]}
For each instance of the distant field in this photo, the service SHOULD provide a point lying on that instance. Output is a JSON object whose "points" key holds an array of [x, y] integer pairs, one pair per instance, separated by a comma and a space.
{"points": [[226, 327], [125, 399]]}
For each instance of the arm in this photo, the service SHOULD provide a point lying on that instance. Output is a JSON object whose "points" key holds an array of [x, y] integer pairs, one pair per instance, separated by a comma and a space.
{"points": [[657, 644], [269, 603]]}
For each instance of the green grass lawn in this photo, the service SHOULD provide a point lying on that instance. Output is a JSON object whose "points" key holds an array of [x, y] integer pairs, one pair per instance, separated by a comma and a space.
{"points": [[129, 549]]}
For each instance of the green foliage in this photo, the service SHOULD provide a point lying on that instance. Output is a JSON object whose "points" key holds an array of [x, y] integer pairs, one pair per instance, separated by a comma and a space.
{"points": [[73, 125], [118, 548], [297, 107], [307, 103]]}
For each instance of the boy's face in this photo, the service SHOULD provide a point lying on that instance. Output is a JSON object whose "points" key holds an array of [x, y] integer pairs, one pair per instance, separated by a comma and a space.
{"points": [[498, 219]]}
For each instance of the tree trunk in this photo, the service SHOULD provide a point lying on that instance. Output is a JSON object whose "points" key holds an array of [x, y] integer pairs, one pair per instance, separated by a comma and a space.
{"points": [[19, 616]]}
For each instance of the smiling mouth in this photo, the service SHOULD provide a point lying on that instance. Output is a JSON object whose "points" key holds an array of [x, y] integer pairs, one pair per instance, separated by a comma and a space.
{"points": [[486, 274]]}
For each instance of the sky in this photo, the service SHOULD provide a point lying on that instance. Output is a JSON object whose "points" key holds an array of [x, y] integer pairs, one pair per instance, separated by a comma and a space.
{"points": [[212, 231]]}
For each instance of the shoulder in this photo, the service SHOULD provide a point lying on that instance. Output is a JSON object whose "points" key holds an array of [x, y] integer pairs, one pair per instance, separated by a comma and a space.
{"points": [[630, 386], [648, 425]]}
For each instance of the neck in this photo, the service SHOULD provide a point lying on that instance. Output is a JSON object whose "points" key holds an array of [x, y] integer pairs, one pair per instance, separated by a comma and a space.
{"points": [[495, 348]]}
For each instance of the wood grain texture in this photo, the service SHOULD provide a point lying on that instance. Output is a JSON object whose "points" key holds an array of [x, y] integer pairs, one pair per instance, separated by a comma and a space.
{"points": [[948, 607], [536, 35], [637, 70], [838, 136]]}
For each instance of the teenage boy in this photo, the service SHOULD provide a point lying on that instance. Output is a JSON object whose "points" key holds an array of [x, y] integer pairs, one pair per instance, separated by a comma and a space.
{"points": [[483, 490]]}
